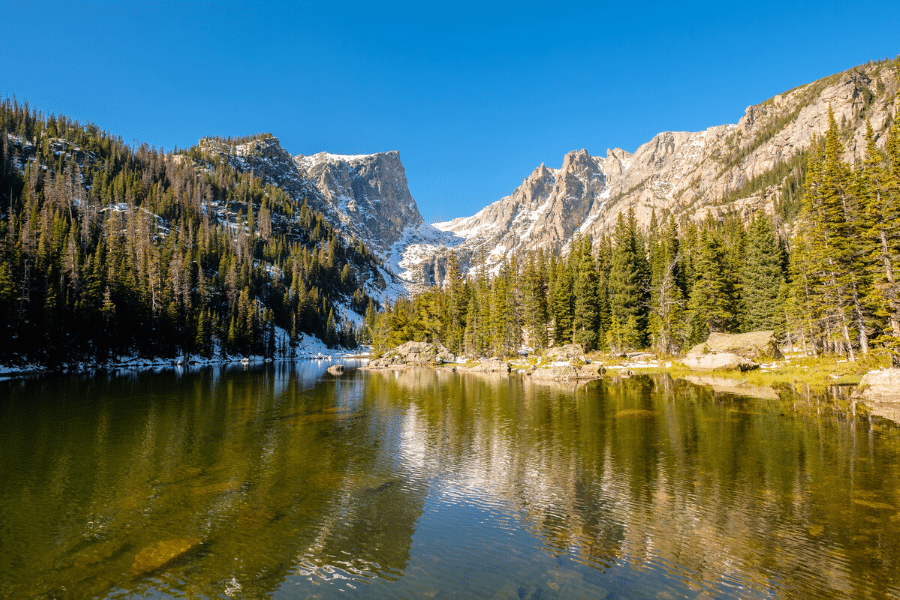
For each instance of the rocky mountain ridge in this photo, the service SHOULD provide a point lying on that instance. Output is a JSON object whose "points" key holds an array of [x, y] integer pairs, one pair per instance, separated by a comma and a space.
{"points": [[685, 174], [366, 197], [680, 173]]}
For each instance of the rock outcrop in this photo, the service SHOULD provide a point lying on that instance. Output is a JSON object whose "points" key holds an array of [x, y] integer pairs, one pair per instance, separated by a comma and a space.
{"points": [[412, 354], [686, 174], [569, 372], [570, 353], [719, 361], [336, 370], [881, 386], [491, 365], [880, 392], [755, 345]]}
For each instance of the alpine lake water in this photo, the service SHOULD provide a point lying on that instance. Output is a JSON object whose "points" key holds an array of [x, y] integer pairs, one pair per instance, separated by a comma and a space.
{"points": [[281, 481]]}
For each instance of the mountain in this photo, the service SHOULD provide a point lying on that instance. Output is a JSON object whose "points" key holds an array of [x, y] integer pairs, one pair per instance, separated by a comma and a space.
{"points": [[365, 197], [110, 253], [738, 167]]}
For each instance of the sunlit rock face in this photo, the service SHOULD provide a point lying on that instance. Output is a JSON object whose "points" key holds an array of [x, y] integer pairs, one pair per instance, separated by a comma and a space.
{"points": [[683, 174], [679, 173], [368, 194]]}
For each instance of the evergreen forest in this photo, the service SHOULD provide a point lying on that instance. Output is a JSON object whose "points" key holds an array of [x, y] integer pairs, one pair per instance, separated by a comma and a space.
{"points": [[109, 251], [822, 275]]}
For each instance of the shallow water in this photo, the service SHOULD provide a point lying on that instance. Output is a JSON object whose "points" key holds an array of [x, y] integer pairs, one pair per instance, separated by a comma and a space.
{"points": [[285, 482]]}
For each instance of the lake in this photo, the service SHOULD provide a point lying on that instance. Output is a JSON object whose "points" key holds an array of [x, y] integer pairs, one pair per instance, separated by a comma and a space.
{"points": [[284, 482]]}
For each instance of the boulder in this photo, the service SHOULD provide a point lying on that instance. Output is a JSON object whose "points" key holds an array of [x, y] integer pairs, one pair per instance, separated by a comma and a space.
{"points": [[569, 372], [754, 345], [412, 354], [163, 554], [719, 361], [569, 353], [336, 370], [880, 386], [491, 365]]}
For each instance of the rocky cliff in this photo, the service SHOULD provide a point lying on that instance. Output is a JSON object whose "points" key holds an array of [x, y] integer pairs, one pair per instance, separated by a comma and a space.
{"points": [[691, 175], [366, 197], [680, 173]]}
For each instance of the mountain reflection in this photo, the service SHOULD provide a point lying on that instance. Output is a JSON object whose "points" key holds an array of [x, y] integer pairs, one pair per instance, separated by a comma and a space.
{"points": [[283, 480]]}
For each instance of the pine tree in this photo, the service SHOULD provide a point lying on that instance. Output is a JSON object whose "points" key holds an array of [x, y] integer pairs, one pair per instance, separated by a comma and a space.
{"points": [[878, 188], [827, 207], [629, 280], [535, 301], [763, 279], [712, 301], [563, 305], [586, 317], [667, 294]]}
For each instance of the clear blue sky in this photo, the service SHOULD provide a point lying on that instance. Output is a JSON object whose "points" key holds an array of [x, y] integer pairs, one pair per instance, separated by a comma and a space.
{"points": [[474, 95]]}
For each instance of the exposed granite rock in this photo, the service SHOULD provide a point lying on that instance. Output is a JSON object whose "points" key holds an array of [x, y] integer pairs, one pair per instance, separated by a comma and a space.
{"points": [[685, 174], [754, 345], [336, 370], [491, 365], [880, 392], [367, 192], [880, 386], [719, 361], [570, 352], [682, 173], [569, 372], [412, 354]]}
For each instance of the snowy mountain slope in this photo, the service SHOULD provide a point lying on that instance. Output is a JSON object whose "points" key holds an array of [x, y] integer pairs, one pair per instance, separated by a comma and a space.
{"points": [[680, 173], [369, 197], [686, 174]]}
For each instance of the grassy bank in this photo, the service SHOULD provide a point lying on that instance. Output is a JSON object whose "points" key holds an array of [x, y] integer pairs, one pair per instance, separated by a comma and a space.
{"points": [[817, 372]]}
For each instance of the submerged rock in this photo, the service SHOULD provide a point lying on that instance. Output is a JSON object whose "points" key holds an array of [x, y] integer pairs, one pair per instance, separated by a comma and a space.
{"points": [[163, 554], [636, 413], [417, 354]]}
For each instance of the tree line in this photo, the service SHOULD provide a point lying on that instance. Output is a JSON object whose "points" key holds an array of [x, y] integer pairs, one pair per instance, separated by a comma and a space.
{"points": [[825, 282], [107, 250]]}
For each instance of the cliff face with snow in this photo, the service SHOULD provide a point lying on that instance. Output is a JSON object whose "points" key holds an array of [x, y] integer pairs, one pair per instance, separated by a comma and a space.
{"points": [[365, 197], [679, 173]]}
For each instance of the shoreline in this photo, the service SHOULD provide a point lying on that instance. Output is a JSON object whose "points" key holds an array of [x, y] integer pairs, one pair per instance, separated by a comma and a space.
{"points": [[10, 372]]}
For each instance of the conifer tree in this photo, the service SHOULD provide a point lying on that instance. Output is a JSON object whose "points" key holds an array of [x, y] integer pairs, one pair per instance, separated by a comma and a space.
{"points": [[712, 301], [586, 313], [763, 279], [563, 304], [629, 281], [878, 188], [535, 301], [667, 300]]}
